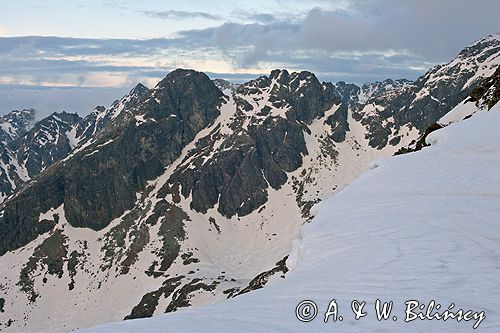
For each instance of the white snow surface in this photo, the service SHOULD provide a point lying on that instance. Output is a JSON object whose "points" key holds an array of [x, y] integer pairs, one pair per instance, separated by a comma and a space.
{"points": [[422, 226], [459, 112]]}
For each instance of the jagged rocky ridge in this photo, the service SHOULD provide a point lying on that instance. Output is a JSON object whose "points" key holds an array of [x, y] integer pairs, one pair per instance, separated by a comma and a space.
{"points": [[225, 85], [487, 94], [12, 127], [483, 97], [430, 97], [99, 186], [190, 196], [265, 141], [31, 149]]}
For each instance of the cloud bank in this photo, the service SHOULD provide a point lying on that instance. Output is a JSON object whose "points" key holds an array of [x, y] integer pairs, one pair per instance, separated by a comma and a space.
{"points": [[180, 15], [363, 41]]}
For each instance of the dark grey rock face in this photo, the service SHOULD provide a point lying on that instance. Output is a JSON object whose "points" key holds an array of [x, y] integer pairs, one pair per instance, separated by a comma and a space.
{"points": [[238, 178], [262, 153], [99, 182], [28, 150], [422, 103], [32, 149], [349, 92], [487, 94], [307, 97], [339, 124], [19, 223]]}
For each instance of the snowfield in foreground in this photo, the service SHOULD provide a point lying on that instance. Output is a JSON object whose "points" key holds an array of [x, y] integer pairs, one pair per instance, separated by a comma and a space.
{"points": [[422, 226]]}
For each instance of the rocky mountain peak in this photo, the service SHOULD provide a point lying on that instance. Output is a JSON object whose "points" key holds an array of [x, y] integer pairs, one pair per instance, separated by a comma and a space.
{"points": [[63, 117], [283, 77], [488, 44], [180, 76], [99, 109], [225, 85], [24, 116], [280, 75], [47, 142], [369, 90], [135, 148], [139, 90], [186, 94], [15, 124], [472, 63], [126, 102]]}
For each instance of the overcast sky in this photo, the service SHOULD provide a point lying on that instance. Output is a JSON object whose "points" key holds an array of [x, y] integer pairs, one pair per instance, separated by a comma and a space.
{"points": [[73, 55]]}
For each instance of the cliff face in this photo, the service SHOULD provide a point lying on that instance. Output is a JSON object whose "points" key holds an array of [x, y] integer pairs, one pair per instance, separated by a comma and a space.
{"points": [[29, 148], [98, 182]]}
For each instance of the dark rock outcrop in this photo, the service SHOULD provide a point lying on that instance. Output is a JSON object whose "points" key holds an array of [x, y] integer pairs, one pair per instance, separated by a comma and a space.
{"points": [[99, 182], [487, 94], [261, 154], [339, 124], [27, 150], [429, 98]]}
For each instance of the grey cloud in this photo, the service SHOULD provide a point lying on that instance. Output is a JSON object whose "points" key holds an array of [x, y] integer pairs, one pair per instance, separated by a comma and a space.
{"points": [[263, 18], [246, 44], [181, 15], [38, 46], [50, 67], [419, 32], [119, 5], [256, 17], [351, 45], [434, 30]]}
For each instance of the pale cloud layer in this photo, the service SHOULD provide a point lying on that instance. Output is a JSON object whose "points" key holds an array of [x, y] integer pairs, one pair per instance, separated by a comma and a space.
{"points": [[181, 15], [356, 41]]}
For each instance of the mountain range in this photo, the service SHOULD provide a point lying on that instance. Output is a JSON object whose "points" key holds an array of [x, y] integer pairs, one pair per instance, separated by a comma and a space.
{"points": [[195, 190]]}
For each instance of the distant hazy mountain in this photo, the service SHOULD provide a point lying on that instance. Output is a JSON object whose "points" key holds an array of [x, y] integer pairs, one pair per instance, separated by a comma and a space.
{"points": [[28, 150]]}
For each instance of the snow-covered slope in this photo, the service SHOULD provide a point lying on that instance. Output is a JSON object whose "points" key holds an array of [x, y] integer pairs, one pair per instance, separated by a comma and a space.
{"points": [[422, 226]]}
